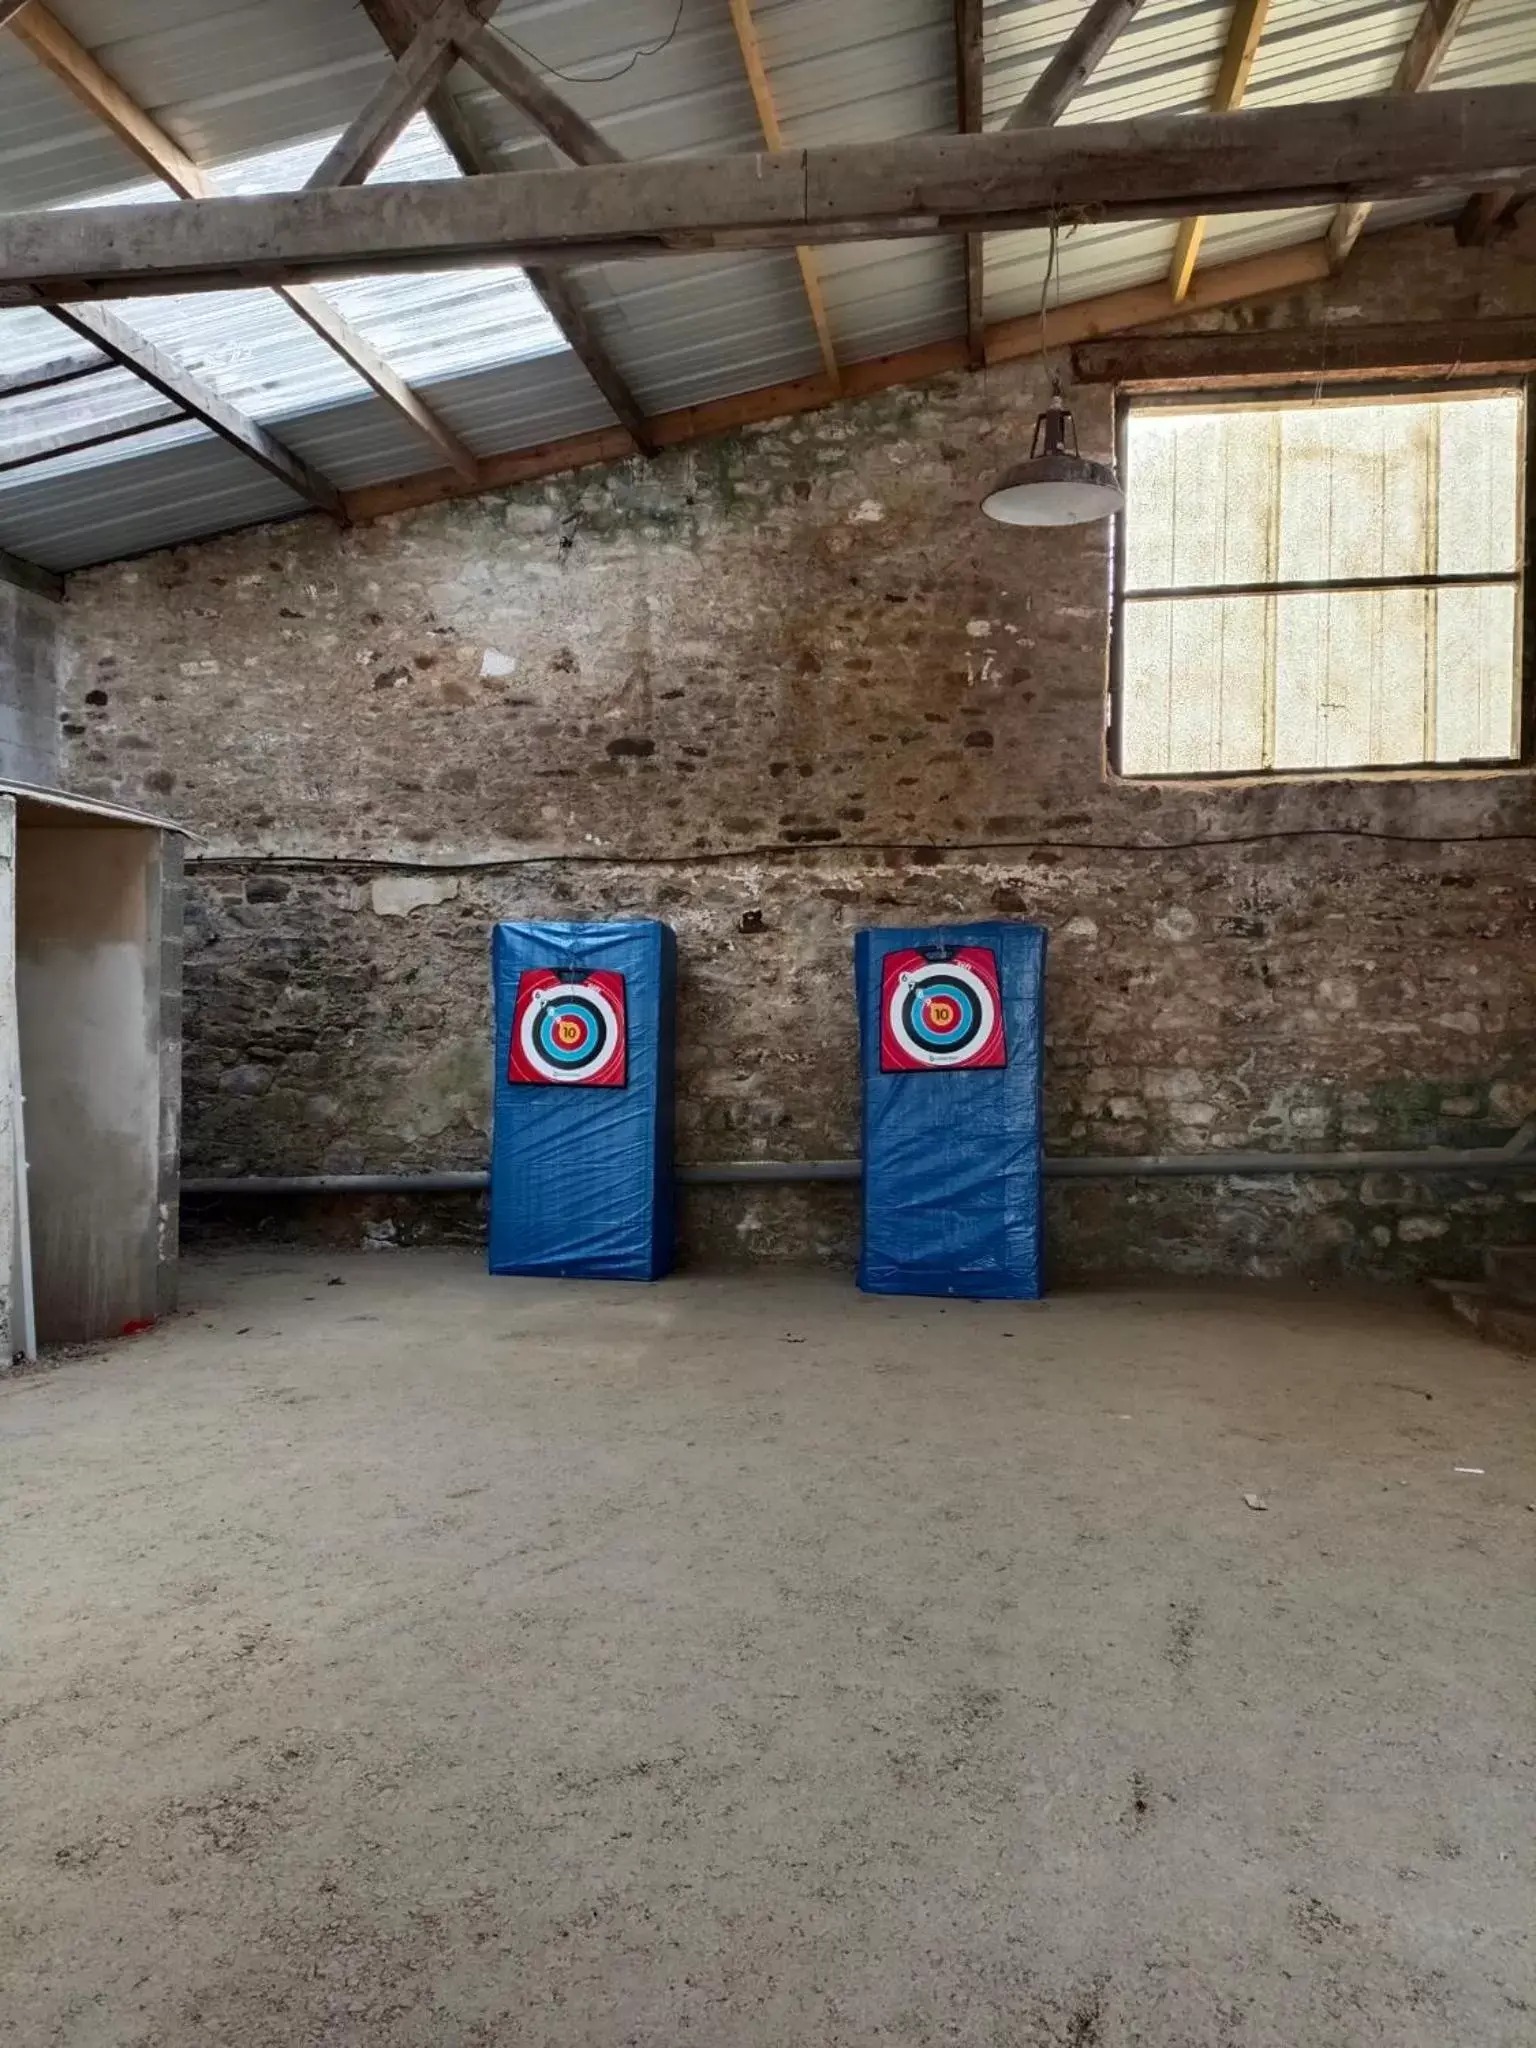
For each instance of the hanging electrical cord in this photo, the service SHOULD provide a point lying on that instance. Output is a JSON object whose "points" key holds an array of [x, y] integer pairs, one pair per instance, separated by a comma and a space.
{"points": [[593, 77], [1051, 268]]}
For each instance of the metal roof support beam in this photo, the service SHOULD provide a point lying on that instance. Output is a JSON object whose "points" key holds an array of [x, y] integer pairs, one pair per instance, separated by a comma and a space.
{"points": [[125, 346], [152, 416], [28, 576], [773, 135], [1242, 46], [1162, 167], [70, 62], [56, 370], [1416, 72], [396, 22], [968, 75], [1073, 64]]}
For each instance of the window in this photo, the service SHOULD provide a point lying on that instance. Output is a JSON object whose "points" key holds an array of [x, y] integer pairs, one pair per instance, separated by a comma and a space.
{"points": [[1320, 583]]}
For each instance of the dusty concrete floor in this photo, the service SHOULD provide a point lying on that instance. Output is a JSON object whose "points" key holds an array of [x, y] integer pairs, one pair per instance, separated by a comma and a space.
{"points": [[432, 1660]]}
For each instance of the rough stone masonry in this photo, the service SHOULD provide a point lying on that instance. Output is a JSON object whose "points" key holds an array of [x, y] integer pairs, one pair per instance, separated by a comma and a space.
{"points": [[770, 688]]}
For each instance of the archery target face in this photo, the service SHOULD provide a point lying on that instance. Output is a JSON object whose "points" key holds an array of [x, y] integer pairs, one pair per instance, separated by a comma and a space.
{"points": [[568, 1030], [941, 1013]]}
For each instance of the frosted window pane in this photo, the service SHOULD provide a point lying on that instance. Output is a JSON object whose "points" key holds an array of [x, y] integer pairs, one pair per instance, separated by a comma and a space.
{"points": [[1193, 691], [1329, 492], [1325, 679]]}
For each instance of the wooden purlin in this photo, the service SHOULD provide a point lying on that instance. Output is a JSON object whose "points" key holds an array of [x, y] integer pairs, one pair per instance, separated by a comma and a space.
{"points": [[768, 116], [1242, 46]]}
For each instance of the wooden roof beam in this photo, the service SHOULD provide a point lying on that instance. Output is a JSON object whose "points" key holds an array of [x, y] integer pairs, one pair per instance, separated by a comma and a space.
{"points": [[1163, 167], [773, 135], [29, 576], [1242, 46], [968, 97], [126, 346], [1335, 352], [418, 72], [396, 22], [70, 62], [1485, 213], [1073, 64], [1416, 72]]}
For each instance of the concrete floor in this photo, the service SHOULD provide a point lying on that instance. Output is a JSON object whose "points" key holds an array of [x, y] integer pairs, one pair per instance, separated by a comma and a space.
{"points": [[397, 1656]]}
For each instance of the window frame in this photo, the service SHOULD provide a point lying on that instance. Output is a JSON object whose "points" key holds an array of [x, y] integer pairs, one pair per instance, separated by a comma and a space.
{"points": [[1308, 391]]}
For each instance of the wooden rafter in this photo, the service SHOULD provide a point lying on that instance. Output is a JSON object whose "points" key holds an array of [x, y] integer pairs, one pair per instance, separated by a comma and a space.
{"points": [[1242, 46], [768, 115], [516, 80], [1163, 167], [1073, 64], [128, 347], [968, 96], [29, 576], [70, 62], [396, 22], [1416, 72], [1485, 213], [420, 70]]}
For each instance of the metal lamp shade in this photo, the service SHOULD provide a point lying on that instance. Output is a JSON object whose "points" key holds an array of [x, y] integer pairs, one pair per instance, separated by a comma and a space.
{"points": [[1055, 485]]}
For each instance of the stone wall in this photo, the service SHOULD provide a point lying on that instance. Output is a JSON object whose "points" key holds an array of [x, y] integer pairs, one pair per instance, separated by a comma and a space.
{"points": [[771, 688]]}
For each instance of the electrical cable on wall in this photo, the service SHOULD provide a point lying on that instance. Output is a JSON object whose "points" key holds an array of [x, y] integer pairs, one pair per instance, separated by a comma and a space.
{"points": [[712, 856]]}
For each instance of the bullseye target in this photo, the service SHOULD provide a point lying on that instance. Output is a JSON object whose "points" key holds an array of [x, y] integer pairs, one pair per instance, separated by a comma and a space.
{"points": [[568, 1030], [941, 1012]]}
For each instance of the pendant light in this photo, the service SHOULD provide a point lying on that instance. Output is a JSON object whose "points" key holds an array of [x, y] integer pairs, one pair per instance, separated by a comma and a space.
{"points": [[1055, 484]]}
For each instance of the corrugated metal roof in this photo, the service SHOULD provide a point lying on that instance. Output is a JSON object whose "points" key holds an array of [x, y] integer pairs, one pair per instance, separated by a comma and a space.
{"points": [[182, 482], [237, 80]]}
